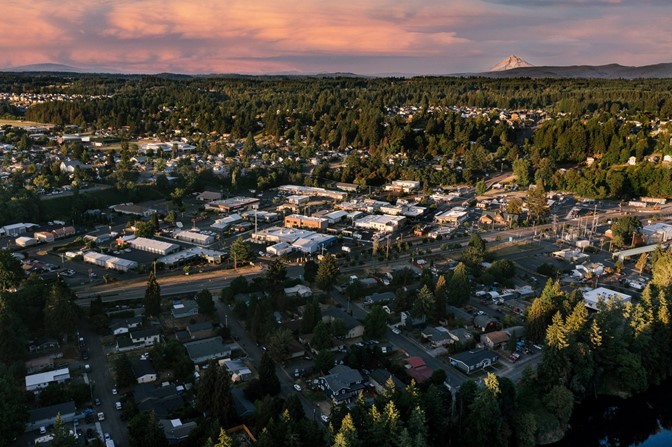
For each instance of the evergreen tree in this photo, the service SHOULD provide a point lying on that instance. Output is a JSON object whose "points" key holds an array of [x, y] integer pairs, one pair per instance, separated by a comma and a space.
{"points": [[224, 440], [347, 434], [152, 300], [267, 376], [440, 294], [13, 335], [13, 411], [123, 371], [458, 286], [375, 323], [11, 272], [60, 313], [327, 273], [62, 436], [536, 202], [424, 304], [240, 252], [206, 304], [310, 271]]}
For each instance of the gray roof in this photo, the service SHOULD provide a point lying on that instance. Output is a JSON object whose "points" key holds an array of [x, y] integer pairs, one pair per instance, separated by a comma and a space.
{"points": [[339, 314], [163, 400], [343, 376], [384, 297], [202, 326], [142, 368], [241, 404], [145, 332], [40, 414], [381, 376], [474, 357], [209, 348]]}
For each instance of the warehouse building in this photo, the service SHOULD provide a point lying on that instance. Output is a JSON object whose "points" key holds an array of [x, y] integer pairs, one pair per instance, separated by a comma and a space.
{"points": [[153, 246], [194, 237], [278, 234], [453, 216], [384, 223], [109, 262], [300, 221], [42, 380], [233, 204], [313, 243]]}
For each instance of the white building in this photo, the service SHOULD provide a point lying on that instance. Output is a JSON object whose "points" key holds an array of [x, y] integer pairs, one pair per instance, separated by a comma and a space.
{"points": [[657, 233], [278, 234], [453, 216], [279, 249], [225, 222], [603, 295], [17, 229], [406, 186], [109, 262], [194, 237], [313, 243], [153, 246], [384, 223], [42, 380]]}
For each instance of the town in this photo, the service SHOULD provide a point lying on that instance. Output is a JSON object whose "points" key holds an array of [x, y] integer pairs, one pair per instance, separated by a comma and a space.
{"points": [[169, 285]]}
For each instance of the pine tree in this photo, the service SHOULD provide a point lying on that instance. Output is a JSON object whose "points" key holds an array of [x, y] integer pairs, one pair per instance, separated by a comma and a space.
{"points": [[267, 376], [458, 287], [224, 440], [347, 434], [327, 273], [440, 293], [152, 300], [62, 436], [60, 312], [206, 304], [13, 411], [556, 334]]}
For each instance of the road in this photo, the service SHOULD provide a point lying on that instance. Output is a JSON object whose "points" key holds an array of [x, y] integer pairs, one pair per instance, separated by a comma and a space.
{"points": [[102, 384]]}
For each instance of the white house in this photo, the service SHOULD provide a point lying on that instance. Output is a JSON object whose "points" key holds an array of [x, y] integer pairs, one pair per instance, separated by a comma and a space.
{"points": [[42, 380], [593, 297]]}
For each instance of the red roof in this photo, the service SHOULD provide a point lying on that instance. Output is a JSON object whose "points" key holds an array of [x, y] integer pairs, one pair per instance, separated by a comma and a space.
{"points": [[415, 362]]}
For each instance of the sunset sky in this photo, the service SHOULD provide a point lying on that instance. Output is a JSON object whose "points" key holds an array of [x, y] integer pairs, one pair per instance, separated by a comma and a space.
{"points": [[359, 36]]}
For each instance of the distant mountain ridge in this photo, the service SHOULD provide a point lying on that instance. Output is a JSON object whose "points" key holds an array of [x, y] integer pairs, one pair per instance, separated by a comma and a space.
{"points": [[610, 71], [54, 68]]}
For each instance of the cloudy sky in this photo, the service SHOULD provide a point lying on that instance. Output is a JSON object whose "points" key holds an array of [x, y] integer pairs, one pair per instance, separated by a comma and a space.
{"points": [[360, 36]]}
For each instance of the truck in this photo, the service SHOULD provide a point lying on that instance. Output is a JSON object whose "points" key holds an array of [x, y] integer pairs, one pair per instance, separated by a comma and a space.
{"points": [[109, 443]]}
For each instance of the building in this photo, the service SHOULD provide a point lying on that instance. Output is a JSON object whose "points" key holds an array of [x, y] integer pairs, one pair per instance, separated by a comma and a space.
{"points": [[143, 370], [484, 323], [226, 222], [109, 262], [190, 254], [495, 340], [175, 430], [353, 326], [146, 336], [35, 382], [437, 336], [454, 216], [209, 196], [383, 224], [335, 216], [238, 370], [297, 199], [153, 246], [165, 401], [312, 191], [261, 216], [25, 241], [233, 204], [279, 249], [202, 351], [380, 298], [300, 221], [46, 416], [194, 237], [474, 360], [379, 378], [406, 186], [418, 369], [657, 233], [133, 210], [184, 309], [278, 234], [342, 384], [203, 329], [593, 298], [313, 243], [16, 229], [299, 290]]}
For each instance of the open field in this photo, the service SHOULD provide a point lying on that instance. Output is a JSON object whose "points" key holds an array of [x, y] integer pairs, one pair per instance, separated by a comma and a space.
{"points": [[17, 123]]}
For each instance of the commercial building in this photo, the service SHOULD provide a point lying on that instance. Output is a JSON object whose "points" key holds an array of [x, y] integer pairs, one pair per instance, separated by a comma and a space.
{"points": [[313, 243], [133, 210], [300, 221], [454, 216], [406, 186], [261, 216], [25, 241], [657, 233], [278, 234], [593, 298], [16, 229], [225, 222], [194, 237], [384, 223], [233, 204], [153, 246], [312, 191], [190, 254], [109, 262], [298, 199], [279, 249]]}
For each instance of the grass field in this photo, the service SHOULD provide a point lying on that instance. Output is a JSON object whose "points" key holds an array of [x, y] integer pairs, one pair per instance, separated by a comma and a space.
{"points": [[16, 123], [511, 249]]}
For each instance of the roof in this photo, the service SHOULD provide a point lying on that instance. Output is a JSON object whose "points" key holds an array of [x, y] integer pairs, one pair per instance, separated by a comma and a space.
{"points": [[174, 429], [497, 337], [45, 377], [381, 376], [202, 326], [213, 347], [415, 362], [336, 313], [144, 332], [484, 321], [472, 358], [40, 414], [142, 243], [142, 368], [602, 294]]}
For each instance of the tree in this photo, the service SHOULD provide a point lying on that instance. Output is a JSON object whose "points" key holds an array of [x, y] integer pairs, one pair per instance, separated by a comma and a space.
{"points": [[624, 229], [240, 252], [536, 201], [424, 304], [375, 323], [641, 262], [440, 295], [62, 436], [60, 313], [311, 316], [11, 272], [13, 335], [13, 411], [322, 336], [458, 286], [250, 145], [310, 271], [514, 206], [347, 434], [521, 169], [270, 383], [206, 305], [123, 370], [481, 187], [279, 344], [324, 360], [224, 440], [327, 273], [144, 430], [276, 274], [152, 300]]}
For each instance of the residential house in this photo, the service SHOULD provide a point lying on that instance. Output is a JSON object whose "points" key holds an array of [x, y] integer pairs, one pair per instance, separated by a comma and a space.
{"points": [[147, 336], [485, 323], [202, 351], [471, 361], [165, 401], [380, 298], [409, 320], [299, 290], [184, 309], [342, 384], [119, 327], [201, 330], [238, 370], [175, 431], [495, 340], [143, 370], [353, 326], [36, 382], [437, 336], [418, 369], [46, 416], [379, 379], [460, 335], [241, 404]]}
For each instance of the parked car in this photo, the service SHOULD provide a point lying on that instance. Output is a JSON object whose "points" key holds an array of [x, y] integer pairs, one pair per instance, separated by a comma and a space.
{"points": [[297, 387]]}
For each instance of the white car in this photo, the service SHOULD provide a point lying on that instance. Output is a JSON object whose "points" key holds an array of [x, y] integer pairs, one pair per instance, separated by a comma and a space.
{"points": [[325, 418], [117, 405], [114, 391], [297, 387], [396, 330], [107, 436]]}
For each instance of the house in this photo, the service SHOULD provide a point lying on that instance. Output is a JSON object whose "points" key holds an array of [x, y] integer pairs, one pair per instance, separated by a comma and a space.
{"points": [[201, 330], [202, 351], [36, 382], [45, 344], [379, 378], [406, 186], [143, 370], [353, 326], [342, 384], [147, 336], [184, 309], [209, 196], [165, 401], [460, 335], [418, 369], [453, 216], [238, 370], [471, 361], [299, 290], [496, 217], [241, 404], [46, 416], [69, 166], [175, 430], [485, 323], [409, 320], [380, 298], [119, 327], [593, 298], [437, 336], [125, 344], [495, 340]]}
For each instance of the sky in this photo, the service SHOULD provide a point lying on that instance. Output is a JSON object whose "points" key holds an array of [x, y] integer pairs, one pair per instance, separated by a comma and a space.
{"points": [[317, 36]]}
